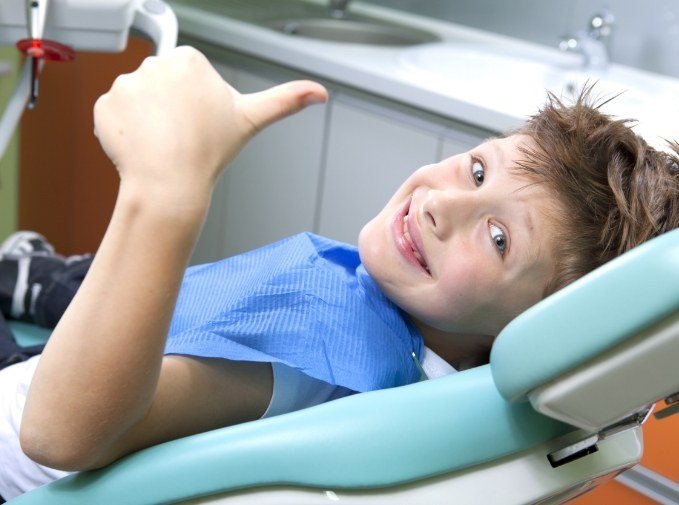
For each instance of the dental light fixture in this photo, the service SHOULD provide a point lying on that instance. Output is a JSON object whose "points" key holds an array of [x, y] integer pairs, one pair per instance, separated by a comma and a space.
{"points": [[53, 30]]}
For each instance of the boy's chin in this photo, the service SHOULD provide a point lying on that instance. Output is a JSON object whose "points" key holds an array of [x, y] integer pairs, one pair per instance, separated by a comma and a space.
{"points": [[368, 244], [362, 239]]}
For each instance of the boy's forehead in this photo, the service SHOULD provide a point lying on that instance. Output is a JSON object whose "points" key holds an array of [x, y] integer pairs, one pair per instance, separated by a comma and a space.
{"points": [[505, 155], [508, 150]]}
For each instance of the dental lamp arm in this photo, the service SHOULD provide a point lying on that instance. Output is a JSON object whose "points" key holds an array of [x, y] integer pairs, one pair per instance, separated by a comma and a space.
{"points": [[150, 17], [155, 19]]}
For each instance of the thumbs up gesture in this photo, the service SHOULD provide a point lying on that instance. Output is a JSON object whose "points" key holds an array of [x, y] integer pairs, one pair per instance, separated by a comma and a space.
{"points": [[174, 123]]}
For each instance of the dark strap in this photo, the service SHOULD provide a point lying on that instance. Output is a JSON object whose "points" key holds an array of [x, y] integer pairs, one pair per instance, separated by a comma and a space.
{"points": [[59, 279], [10, 351]]}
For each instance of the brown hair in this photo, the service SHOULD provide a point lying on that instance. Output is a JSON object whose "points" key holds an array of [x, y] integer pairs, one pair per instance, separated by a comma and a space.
{"points": [[618, 191]]}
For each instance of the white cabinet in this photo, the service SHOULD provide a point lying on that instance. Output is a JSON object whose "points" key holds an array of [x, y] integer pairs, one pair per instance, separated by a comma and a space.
{"points": [[269, 191], [271, 186], [370, 153]]}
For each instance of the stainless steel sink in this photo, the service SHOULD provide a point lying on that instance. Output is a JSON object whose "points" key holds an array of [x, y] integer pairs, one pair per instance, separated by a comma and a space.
{"points": [[314, 20], [353, 31]]}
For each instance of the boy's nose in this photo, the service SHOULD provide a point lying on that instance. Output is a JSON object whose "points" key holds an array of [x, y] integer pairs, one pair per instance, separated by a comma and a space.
{"points": [[444, 211]]}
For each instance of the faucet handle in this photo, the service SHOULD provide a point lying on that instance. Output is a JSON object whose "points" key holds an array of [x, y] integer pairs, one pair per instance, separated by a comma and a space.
{"points": [[338, 8], [601, 25], [568, 43]]}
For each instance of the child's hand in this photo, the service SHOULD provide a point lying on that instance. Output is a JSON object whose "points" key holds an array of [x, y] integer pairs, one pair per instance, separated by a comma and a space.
{"points": [[171, 125]]}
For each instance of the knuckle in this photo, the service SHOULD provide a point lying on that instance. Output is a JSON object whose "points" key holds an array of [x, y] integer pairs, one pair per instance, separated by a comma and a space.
{"points": [[191, 56], [121, 81], [187, 51], [149, 62], [99, 104]]}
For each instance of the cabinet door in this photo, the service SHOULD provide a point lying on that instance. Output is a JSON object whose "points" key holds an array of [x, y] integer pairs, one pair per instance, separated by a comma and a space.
{"points": [[370, 154], [269, 191]]}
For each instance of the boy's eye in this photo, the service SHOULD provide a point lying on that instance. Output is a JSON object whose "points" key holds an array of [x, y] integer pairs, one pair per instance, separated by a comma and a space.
{"points": [[498, 238], [478, 172]]}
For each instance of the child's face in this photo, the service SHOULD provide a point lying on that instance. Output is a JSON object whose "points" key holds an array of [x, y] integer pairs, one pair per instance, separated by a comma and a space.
{"points": [[478, 247]]}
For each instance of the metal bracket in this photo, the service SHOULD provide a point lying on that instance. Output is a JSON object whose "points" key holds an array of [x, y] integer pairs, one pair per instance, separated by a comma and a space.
{"points": [[574, 451], [672, 402], [588, 445]]}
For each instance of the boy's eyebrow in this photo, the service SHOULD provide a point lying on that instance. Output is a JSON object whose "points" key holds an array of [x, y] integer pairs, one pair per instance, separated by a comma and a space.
{"points": [[530, 247], [499, 153]]}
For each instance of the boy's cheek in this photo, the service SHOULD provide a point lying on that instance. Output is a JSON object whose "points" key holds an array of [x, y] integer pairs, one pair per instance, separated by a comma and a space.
{"points": [[467, 285], [461, 267]]}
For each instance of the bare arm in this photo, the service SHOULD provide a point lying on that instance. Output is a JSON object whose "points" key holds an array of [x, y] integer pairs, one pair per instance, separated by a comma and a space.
{"points": [[102, 388]]}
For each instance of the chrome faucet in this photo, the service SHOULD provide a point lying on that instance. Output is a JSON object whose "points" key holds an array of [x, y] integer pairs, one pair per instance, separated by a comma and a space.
{"points": [[338, 8], [593, 42]]}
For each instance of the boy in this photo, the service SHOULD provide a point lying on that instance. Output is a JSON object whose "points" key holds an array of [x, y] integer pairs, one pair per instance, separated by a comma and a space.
{"points": [[462, 248]]}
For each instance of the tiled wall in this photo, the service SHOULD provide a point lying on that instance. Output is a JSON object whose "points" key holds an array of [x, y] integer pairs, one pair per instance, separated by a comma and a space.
{"points": [[646, 32]]}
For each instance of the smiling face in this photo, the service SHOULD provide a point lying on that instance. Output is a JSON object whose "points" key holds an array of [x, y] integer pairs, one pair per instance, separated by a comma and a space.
{"points": [[464, 245]]}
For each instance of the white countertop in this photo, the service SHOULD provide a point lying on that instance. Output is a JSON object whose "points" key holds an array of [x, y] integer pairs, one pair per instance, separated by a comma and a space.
{"points": [[495, 93]]}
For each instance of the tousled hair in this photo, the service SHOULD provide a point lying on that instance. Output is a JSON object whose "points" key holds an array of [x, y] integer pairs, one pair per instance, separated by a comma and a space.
{"points": [[615, 191]]}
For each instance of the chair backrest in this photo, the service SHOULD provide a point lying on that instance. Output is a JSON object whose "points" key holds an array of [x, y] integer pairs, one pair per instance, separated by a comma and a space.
{"points": [[604, 346]]}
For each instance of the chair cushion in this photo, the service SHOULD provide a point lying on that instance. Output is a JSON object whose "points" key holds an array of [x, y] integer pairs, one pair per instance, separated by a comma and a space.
{"points": [[27, 334], [374, 439]]}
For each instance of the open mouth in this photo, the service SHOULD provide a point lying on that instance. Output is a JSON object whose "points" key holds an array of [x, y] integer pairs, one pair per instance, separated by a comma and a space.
{"points": [[413, 247], [406, 243]]}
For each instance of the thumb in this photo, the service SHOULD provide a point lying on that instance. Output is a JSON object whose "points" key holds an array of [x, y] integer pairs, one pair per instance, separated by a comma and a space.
{"points": [[263, 108]]}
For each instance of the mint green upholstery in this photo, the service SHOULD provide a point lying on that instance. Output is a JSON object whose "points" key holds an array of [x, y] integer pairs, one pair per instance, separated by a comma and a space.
{"points": [[369, 440], [29, 334], [592, 315]]}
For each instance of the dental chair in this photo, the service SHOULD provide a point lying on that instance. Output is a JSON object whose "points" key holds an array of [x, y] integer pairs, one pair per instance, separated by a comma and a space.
{"points": [[556, 412]]}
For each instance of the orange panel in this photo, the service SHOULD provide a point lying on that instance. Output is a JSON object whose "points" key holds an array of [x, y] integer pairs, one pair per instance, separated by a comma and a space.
{"points": [[67, 185], [46, 157], [661, 445]]}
